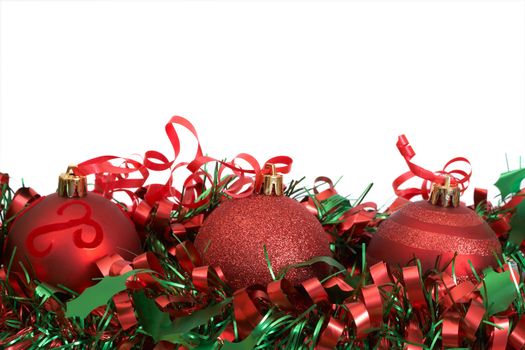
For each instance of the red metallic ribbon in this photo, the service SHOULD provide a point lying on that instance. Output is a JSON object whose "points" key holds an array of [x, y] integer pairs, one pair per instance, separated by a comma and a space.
{"points": [[374, 304], [330, 335], [473, 319], [114, 265], [413, 286], [152, 204], [205, 277], [500, 333], [361, 318], [22, 198], [246, 311], [450, 330], [458, 177], [517, 337]]}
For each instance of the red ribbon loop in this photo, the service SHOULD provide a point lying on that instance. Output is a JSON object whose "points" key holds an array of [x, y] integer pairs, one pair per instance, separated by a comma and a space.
{"points": [[413, 286], [205, 277], [278, 292], [374, 304], [315, 290], [414, 336], [246, 311], [381, 276], [159, 199], [473, 319], [330, 335], [4, 179], [361, 318], [23, 197], [499, 337], [187, 256], [517, 337], [450, 330], [125, 310], [458, 177]]}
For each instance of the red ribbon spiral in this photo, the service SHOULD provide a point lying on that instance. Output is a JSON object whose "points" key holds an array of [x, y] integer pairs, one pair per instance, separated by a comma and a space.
{"points": [[458, 177]]}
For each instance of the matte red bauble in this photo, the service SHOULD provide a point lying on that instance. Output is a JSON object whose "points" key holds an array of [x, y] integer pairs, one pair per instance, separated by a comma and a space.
{"points": [[426, 231], [233, 236], [60, 237]]}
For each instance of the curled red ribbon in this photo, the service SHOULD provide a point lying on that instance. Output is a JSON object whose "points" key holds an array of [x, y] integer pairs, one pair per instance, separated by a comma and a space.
{"points": [[246, 311], [473, 319], [413, 286], [374, 304], [450, 330], [160, 199], [330, 335], [205, 277], [500, 333], [458, 177], [517, 337], [278, 292], [361, 318], [114, 265], [23, 197]]}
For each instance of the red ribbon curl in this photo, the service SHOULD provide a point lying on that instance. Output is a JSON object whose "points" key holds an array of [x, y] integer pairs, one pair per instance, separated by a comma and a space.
{"points": [[458, 177]]}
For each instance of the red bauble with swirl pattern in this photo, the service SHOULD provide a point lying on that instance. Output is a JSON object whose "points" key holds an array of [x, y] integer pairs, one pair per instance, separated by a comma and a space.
{"points": [[234, 234], [426, 231], [59, 239]]}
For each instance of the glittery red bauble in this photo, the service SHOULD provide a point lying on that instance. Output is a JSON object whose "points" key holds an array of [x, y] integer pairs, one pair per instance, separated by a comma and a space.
{"points": [[427, 231], [234, 234], [59, 240]]}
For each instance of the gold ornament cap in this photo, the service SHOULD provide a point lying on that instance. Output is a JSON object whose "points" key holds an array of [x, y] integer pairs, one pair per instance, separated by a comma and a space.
{"points": [[446, 195], [272, 184], [71, 185]]}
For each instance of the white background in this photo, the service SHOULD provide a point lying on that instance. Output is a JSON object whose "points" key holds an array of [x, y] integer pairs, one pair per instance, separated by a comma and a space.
{"points": [[330, 84]]}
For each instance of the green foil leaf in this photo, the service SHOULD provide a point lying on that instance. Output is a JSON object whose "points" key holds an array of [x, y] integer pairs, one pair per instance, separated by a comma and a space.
{"points": [[158, 324], [498, 291], [319, 259], [517, 223], [98, 295], [510, 182]]}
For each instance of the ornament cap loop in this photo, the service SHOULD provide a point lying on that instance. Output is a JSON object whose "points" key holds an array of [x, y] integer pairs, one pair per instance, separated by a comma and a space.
{"points": [[446, 195], [272, 183], [71, 185]]}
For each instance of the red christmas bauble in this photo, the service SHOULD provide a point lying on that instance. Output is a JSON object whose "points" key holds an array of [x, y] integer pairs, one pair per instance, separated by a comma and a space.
{"points": [[233, 235], [426, 231], [59, 240]]}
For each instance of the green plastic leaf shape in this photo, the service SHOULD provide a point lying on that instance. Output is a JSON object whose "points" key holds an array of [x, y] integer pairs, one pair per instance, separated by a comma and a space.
{"points": [[158, 324], [510, 182], [517, 224], [498, 291], [98, 295]]}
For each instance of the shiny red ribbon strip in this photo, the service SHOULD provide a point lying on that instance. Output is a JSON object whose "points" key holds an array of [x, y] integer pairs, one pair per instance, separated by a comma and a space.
{"points": [[114, 265], [450, 330], [500, 333], [413, 286], [517, 337], [246, 312], [361, 317], [330, 335], [22, 198], [458, 177], [473, 318], [160, 199]]}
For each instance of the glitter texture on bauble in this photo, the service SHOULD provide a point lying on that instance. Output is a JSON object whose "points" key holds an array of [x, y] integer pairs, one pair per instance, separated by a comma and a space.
{"points": [[234, 234], [428, 231]]}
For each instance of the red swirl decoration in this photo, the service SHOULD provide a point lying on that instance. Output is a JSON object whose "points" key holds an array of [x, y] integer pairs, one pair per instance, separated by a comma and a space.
{"points": [[458, 177], [60, 226]]}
